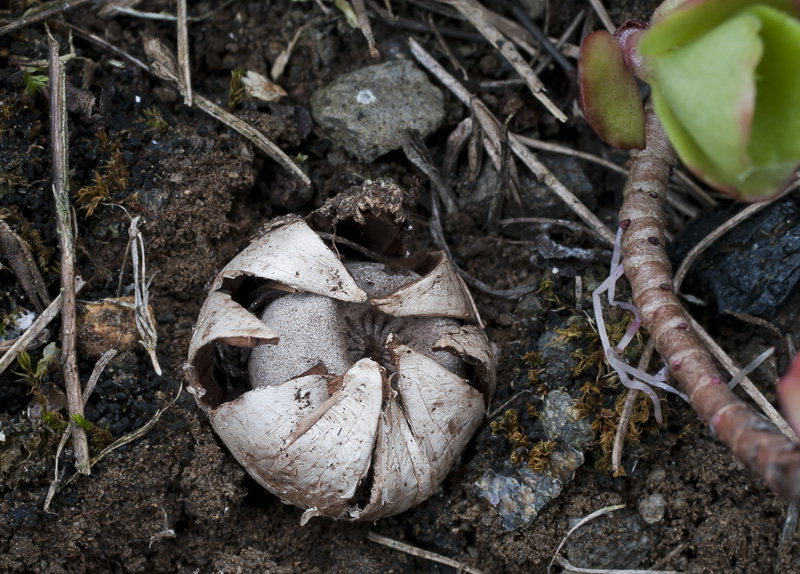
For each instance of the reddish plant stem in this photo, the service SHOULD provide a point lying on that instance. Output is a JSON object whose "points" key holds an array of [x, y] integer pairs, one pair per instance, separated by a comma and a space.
{"points": [[754, 440]]}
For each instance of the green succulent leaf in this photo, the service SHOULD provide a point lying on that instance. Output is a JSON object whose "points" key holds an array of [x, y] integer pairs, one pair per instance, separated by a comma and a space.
{"points": [[665, 8], [729, 100], [608, 92], [678, 22], [775, 135], [709, 86]]}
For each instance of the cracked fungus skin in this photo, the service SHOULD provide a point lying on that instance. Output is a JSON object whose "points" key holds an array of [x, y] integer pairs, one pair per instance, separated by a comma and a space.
{"points": [[365, 384]]}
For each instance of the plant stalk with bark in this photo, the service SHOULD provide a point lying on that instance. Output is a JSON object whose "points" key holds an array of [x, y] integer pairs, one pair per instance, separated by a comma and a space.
{"points": [[751, 437]]}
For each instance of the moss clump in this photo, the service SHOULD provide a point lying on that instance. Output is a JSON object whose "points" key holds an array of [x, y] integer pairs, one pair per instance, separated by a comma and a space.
{"points": [[237, 92], [109, 182]]}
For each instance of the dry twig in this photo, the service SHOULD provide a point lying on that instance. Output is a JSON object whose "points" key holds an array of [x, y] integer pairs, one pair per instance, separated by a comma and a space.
{"points": [[183, 55], [419, 552], [87, 392], [562, 40], [138, 433], [36, 328], [366, 29], [540, 36], [721, 230], [625, 415], [58, 138], [41, 13], [488, 122], [21, 261], [756, 442], [581, 522], [491, 33], [418, 154], [602, 13], [168, 67], [454, 61], [144, 321]]}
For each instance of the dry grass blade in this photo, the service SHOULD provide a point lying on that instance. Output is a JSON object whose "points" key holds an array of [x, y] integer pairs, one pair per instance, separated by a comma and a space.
{"points": [[260, 140], [138, 433], [366, 29], [144, 321], [745, 383], [446, 47], [33, 332], [439, 240], [627, 411], [87, 392], [183, 54], [707, 340], [695, 189], [419, 552], [561, 190], [456, 141], [508, 50], [418, 154], [581, 522], [424, 58], [562, 40], [540, 36], [555, 148], [21, 261], [279, 65], [602, 13], [570, 569], [166, 68], [163, 64], [494, 134], [59, 142], [40, 13]]}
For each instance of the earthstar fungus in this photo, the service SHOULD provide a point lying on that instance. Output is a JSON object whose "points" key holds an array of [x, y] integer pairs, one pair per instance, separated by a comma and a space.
{"points": [[366, 381]]}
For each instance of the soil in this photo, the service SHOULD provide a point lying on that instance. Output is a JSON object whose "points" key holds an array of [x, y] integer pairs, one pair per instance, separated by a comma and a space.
{"points": [[175, 500]]}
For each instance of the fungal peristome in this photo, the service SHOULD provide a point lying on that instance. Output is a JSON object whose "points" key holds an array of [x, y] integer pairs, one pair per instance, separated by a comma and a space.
{"points": [[365, 381]]}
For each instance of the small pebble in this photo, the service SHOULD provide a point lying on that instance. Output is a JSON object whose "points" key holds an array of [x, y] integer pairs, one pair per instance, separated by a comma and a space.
{"points": [[652, 508]]}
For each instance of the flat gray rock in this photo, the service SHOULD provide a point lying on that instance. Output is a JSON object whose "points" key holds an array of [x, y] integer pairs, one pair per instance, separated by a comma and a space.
{"points": [[364, 111]]}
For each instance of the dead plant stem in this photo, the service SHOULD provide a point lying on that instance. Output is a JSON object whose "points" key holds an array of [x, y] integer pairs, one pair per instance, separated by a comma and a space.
{"points": [[476, 18], [42, 13], [419, 552], [183, 54], [527, 157], [32, 333], [21, 261], [58, 138], [627, 411]]}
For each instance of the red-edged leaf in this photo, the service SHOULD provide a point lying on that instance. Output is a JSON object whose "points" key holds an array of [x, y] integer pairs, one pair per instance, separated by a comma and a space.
{"points": [[609, 95]]}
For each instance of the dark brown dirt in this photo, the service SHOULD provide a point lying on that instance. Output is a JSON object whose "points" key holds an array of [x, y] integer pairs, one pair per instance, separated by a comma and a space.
{"points": [[176, 500]]}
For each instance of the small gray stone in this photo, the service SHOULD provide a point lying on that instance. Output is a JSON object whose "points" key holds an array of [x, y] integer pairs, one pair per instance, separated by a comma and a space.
{"points": [[558, 420], [534, 8], [652, 508], [622, 540], [364, 111], [153, 199]]}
